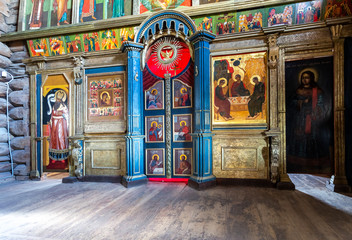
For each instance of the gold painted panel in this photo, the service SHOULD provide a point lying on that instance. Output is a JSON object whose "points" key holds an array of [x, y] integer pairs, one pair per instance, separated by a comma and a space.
{"points": [[109, 159], [238, 158], [105, 157]]}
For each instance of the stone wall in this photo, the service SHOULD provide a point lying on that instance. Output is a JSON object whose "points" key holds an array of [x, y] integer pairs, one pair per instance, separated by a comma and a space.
{"points": [[11, 55]]}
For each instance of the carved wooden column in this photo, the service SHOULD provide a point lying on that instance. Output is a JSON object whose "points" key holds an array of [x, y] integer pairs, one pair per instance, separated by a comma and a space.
{"points": [[202, 176], [338, 181], [277, 168], [134, 136], [78, 72]]}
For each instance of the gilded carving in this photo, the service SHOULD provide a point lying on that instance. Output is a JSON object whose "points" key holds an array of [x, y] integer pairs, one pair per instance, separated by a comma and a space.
{"points": [[273, 50], [274, 158], [239, 156]]}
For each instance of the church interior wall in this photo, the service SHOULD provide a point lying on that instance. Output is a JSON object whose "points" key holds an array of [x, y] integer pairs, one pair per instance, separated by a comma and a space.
{"points": [[242, 150]]}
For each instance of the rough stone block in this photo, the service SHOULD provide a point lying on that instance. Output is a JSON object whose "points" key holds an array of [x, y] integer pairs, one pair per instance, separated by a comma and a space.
{"points": [[3, 106], [18, 98], [3, 120], [4, 9], [21, 156], [3, 90], [6, 176], [19, 84], [18, 128], [17, 113], [17, 71], [4, 149], [22, 178], [21, 170], [16, 46], [18, 56], [5, 166], [3, 135], [4, 61], [4, 158], [20, 142], [5, 50], [12, 19]]}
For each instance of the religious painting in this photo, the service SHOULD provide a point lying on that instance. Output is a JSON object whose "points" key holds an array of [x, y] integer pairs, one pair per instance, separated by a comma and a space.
{"points": [[204, 23], [115, 8], [105, 100], [109, 39], [154, 127], [182, 161], [210, 1], [280, 15], [154, 96], [91, 42], [182, 128], [155, 161], [309, 116], [182, 94], [250, 20], [338, 8], [61, 12], [73, 43], [239, 89], [38, 47], [55, 122], [157, 5], [57, 46], [168, 56], [90, 10], [225, 23], [126, 34], [36, 14], [307, 12]]}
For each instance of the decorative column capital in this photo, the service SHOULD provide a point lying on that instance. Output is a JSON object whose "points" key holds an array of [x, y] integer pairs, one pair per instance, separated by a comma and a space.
{"points": [[273, 50], [131, 46], [202, 35], [336, 32], [78, 70]]}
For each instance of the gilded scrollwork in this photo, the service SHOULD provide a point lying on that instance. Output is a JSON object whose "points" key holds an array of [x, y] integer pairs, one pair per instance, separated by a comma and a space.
{"points": [[168, 136], [273, 51]]}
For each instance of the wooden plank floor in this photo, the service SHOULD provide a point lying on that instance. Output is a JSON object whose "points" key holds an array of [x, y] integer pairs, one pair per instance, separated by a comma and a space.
{"points": [[52, 210]]}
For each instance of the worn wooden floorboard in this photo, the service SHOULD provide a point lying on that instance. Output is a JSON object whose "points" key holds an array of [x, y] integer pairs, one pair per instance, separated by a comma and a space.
{"points": [[52, 210]]}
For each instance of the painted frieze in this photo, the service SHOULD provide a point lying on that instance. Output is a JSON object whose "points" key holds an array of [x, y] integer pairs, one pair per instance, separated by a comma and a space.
{"points": [[337, 8], [307, 12], [204, 23], [225, 23], [157, 5], [250, 20], [57, 46], [38, 47], [74, 43], [279, 15], [91, 42]]}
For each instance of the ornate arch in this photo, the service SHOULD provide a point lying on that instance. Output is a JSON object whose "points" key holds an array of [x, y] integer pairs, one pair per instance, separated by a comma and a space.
{"points": [[167, 20]]}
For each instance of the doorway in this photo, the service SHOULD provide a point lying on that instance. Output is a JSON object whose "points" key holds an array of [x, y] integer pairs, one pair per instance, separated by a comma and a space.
{"points": [[168, 108]]}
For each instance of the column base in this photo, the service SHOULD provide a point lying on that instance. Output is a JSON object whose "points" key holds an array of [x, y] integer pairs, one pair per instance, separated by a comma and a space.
{"points": [[132, 182], [69, 180], [34, 175], [199, 183], [338, 184], [285, 183]]}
